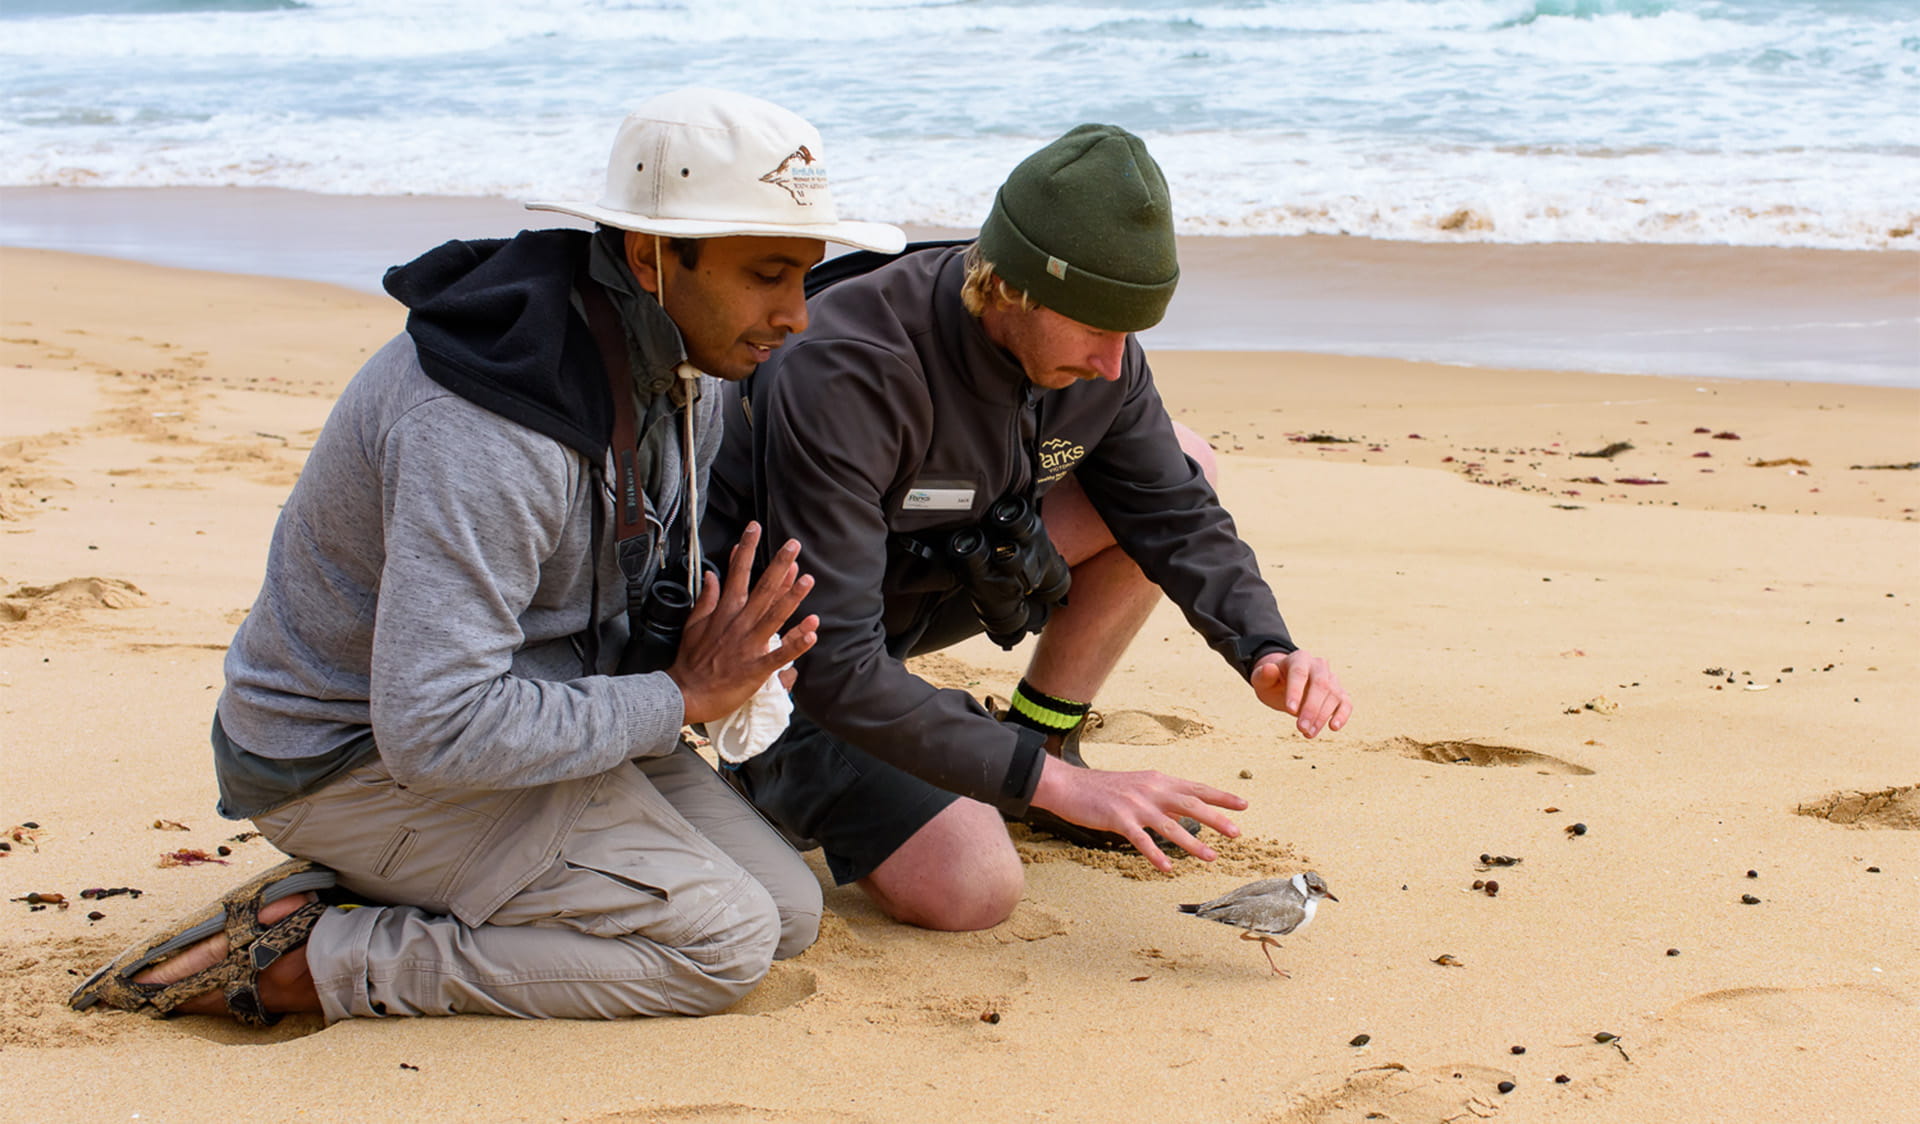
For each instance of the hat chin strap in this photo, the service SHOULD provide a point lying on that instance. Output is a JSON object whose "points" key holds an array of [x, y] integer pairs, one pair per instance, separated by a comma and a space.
{"points": [[659, 273], [690, 376]]}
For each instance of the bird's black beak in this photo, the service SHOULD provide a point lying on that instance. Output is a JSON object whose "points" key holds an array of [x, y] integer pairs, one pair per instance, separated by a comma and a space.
{"points": [[1331, 898]]}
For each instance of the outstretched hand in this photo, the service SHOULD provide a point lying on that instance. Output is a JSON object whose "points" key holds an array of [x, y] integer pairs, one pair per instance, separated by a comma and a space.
{"points": [[727, 650], [1305, 687], [1136, 803]]}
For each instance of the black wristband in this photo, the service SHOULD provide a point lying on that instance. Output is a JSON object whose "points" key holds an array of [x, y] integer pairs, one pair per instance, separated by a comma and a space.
{"points": [[1023, 771]]}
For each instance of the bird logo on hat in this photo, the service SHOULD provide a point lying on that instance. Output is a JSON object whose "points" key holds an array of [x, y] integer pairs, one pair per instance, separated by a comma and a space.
{"points": [[797, 179]]}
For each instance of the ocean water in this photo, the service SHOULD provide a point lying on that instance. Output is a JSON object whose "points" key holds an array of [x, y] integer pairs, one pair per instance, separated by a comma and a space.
{"points": [[1730, 122]]}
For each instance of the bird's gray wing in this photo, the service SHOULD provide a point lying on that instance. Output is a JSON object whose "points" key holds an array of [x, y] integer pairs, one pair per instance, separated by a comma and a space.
{"points": [[1286, 917], [1250, 890]]}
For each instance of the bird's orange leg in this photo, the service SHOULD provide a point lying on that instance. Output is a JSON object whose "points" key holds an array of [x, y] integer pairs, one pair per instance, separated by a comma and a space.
{"points": [[1267, 945]]}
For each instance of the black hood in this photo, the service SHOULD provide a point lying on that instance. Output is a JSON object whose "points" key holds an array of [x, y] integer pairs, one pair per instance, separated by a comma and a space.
{"points": [[493, 321]]}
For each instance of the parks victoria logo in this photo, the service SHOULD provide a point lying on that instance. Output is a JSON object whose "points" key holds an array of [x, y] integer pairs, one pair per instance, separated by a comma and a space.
{"points": [[1058, 456], [798, 175]]}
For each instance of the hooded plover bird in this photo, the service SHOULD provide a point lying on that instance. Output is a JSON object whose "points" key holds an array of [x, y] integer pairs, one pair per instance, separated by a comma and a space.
{"points": [[1268, 908]]}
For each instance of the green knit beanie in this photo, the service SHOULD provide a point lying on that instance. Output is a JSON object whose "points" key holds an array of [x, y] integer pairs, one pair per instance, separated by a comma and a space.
{"points": [[1085, 228]]}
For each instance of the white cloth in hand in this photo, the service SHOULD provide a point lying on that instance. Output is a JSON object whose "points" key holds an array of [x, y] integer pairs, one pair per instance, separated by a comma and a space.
{"points": [[750, 730]]}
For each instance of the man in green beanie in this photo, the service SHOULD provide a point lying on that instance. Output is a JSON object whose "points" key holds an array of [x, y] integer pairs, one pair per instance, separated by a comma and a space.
{"points": [[965, 434]]}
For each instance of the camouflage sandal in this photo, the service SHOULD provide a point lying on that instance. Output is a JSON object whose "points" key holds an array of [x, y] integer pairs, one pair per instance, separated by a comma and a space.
{"points": [[251, 947]]}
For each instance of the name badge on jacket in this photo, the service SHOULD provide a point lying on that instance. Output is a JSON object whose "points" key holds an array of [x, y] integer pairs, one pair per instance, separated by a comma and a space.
{"points": [[939, 495]]}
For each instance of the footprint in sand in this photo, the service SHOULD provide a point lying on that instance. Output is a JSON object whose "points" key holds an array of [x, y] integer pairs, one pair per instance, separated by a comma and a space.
{"points": [[1141, 727], [1395, 1092], [1897, 808], [63, 600], [1737, 1009], [1789, 1049], [1477, 753]]}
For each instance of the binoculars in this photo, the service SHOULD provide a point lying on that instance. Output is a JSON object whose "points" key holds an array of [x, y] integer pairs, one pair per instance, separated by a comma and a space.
{"points": [[657, 627], [1010, 570]]}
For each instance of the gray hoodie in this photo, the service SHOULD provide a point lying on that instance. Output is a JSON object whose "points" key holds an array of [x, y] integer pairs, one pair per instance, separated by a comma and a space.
{"points": [[443, 566]]}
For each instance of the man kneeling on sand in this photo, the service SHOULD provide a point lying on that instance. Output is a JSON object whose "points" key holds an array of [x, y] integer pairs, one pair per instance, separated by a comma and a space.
{"points": [[434, 703], [965, 433]]}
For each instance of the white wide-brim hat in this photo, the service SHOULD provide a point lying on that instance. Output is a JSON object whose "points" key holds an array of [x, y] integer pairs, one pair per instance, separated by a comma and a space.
{"points": [[698, 163]]}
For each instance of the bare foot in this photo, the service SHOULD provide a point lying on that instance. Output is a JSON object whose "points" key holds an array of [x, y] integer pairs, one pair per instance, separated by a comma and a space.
{"points": [[286, 985]]}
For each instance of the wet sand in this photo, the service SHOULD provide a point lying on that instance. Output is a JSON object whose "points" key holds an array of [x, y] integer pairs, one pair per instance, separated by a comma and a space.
{"points": [[1733, 312]]}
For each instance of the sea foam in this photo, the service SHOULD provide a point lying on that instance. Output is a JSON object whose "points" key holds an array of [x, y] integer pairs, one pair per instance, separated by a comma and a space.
{"points": [[1748, 122]]}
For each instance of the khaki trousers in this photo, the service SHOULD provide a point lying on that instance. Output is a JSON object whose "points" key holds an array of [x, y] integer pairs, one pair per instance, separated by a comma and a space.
{"points": [[650, 889]]}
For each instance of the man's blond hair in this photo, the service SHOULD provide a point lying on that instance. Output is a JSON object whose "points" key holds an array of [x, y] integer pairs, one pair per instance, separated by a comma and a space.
{"points": [[983, 288]]}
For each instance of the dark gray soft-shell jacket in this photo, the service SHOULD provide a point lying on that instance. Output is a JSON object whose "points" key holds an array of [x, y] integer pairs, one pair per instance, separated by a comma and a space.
{"points": [[894, 414]]}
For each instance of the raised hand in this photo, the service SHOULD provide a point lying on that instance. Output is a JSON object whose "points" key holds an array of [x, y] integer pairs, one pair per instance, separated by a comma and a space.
{"points": [[726, 650]]}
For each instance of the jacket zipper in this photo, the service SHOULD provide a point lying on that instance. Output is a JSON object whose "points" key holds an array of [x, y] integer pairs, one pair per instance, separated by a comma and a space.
{"points": [[1029, 406]]}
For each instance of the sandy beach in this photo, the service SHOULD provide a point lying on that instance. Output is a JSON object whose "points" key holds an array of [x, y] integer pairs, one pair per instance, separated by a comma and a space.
{"points": [[1654, 639]]}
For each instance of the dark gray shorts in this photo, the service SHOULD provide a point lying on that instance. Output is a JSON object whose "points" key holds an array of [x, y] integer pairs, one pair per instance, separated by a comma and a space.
{"points": [[858, 808]]}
